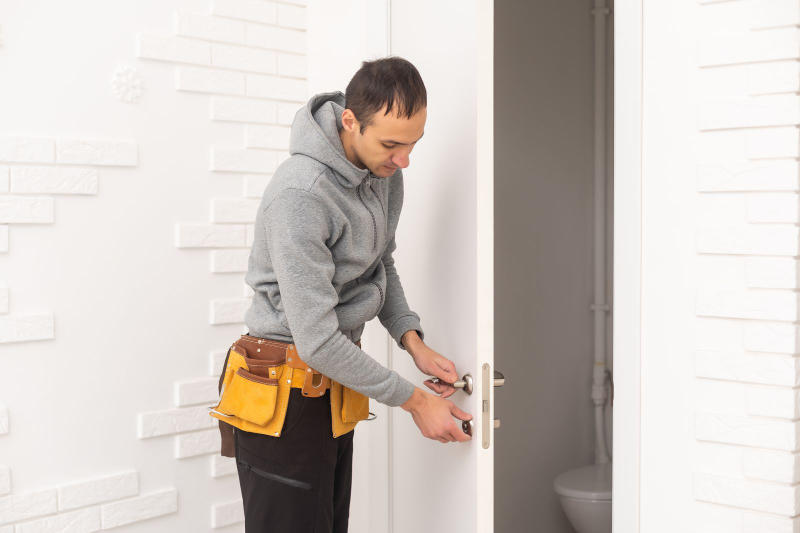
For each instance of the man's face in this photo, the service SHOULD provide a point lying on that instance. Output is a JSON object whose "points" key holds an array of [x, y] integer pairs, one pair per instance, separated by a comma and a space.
{"points": [[385, 144]]}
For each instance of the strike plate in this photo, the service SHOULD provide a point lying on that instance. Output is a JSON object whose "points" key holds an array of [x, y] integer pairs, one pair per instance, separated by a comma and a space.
{"points": [[485, 411]]}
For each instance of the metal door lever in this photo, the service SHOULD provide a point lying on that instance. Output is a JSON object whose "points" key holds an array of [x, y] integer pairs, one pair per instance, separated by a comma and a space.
{"points": [[464, 383]]}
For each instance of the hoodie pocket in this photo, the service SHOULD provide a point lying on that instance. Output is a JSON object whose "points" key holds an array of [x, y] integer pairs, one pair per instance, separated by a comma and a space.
{"points": [[380, 297]]}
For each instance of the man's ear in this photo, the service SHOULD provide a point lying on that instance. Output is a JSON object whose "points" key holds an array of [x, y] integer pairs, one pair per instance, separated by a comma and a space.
{"points": [[349, 121]]}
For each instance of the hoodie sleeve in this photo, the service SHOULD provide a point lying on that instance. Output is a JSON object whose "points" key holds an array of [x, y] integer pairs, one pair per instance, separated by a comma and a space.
{"points": [[297, 230], [395, 315]]}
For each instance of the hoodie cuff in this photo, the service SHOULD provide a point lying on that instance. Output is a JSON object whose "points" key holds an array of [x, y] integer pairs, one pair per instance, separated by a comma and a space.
{"points": [[402, 393], [403, 324]]}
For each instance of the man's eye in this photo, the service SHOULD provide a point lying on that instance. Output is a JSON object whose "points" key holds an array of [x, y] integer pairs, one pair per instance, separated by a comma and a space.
{"points": [[386, 146]]}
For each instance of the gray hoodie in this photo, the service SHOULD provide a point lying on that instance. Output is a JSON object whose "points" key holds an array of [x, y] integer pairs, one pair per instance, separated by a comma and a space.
{"points": [[321, 263]]}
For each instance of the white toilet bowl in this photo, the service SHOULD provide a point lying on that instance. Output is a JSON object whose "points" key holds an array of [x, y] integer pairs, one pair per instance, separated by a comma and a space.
{"points": [[585, 495]]}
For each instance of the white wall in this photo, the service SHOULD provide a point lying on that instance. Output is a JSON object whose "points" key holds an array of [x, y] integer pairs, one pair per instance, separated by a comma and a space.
{"points": [[720, 239], [125, 225]]}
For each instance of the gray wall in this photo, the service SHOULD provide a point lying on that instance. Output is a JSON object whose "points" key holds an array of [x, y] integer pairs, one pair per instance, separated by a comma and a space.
{"points": [[543, 253]]}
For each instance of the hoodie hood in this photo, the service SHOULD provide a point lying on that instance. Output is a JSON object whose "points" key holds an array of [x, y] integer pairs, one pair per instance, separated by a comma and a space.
{"points": [[315, 133]]}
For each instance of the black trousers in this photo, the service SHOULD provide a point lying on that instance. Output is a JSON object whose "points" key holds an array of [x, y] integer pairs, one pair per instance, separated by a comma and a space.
{"points": [[299, 482]]}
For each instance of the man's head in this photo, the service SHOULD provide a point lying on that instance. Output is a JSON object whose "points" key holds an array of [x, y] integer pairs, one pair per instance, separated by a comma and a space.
{"points": [[386, 108]]}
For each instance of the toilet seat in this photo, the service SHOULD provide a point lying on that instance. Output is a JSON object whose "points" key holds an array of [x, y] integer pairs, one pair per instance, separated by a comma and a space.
{"points": [[591, 482]]}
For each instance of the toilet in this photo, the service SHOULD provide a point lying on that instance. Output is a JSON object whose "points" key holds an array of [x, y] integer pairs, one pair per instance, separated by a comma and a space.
{"points": [[585, 495]]}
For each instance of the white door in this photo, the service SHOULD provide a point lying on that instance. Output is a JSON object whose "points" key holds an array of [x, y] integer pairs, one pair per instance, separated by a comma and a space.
{"points": [[445, 261], [444, 255]]}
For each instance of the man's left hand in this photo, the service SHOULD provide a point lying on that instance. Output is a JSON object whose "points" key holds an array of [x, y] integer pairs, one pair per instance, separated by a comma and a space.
{"points": [[434, 364]]}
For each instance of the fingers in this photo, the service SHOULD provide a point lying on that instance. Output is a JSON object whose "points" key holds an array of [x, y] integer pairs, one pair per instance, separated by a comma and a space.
{"points": [[440, 388], [461, 415]]}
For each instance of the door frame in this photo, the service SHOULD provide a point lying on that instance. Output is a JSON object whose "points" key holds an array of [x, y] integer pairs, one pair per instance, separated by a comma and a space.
{"points": [[627, 257]]}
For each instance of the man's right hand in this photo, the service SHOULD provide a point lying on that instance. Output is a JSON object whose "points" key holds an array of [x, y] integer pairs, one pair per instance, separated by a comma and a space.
{"points": [[433, 415]]}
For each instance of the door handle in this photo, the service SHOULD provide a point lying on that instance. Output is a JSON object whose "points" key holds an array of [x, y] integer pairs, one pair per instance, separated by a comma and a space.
{"points": [[464, 383]]}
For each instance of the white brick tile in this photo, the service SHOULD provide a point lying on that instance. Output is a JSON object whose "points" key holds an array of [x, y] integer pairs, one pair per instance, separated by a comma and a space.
{"points": [[251, 233], [229, 260], [215, 361], [751, 304], [771, 272], [756, 111], [771, 465], [749, 79], [3, 238], [720, 397], [3, 419], [243, 110], [26, 210], [27, 149], [292, 16], [287, 112], [98, 490], [292, 65], [750, 143], [714, 518], [97, 152], [171, 48], [254, 184], [740, 46], [237, 210], [765, 337], [54, 180], [207, 80], [4, 299], [80, 521], [4, 173], [222, 466], [277, 88], [188, 235], [748, 14], [261, 136], [171, 421], [140, 508], [768, 369], [282, 155], [7, 529], [18, 328], [736, 174], [773, 207], [718, 459], [243, 160], [244, 58], [274, 38], [247, 290], [747, 431], [773, 239], [200, 26], [196, 391], [227, 310], [226, 514], [17, 507], [721, 209], [5, 480], [198, 442], [756, 495], [777, 402], [254, 10]]}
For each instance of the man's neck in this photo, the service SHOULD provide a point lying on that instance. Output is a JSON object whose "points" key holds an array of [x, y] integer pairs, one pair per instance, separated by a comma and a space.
{"points": [[348, 149]]}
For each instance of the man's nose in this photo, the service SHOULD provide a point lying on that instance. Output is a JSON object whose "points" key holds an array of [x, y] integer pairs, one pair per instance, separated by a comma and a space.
{"points": [[400, 160]]}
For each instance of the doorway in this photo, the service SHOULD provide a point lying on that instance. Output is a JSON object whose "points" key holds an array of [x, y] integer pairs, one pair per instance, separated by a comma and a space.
{"points": [[544, 172]]}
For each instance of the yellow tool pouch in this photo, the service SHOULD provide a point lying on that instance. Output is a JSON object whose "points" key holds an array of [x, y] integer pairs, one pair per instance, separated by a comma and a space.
{"points": [[255, 385]]}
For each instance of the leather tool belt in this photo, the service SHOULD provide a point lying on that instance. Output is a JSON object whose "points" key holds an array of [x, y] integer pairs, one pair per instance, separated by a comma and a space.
{"points": [[254, 387]]}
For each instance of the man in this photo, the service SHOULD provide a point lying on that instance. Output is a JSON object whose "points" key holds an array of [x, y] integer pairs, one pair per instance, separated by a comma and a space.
{"points": [[321, 266]]}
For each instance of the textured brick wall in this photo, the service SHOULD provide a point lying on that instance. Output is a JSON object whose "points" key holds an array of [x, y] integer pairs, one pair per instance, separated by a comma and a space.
{"points": [[247, 59], [746, 476]]}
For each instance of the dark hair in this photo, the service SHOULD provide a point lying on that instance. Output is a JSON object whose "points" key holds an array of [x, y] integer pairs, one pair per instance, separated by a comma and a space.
{"points": [[386, 81]]}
